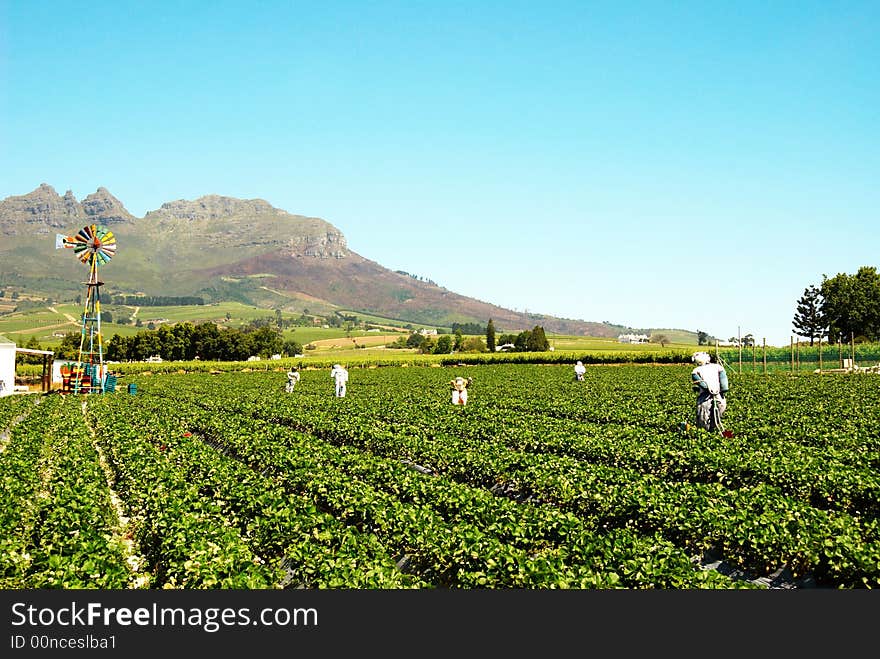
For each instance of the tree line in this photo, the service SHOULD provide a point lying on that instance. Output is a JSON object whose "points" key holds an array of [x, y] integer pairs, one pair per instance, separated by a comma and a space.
{"points": [[533, 340], [151, 300], [187, 342], [841, 308]]}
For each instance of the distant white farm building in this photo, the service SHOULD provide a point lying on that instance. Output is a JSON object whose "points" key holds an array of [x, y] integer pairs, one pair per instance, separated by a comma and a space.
{"points": [[633, 338]]}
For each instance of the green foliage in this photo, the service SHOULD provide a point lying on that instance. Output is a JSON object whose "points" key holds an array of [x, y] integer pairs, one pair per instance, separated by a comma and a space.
{"points": [[490, 336], [537, 340], [154, 300], [851, 304], [467, 328], [427, 345], [444, 345], [291, 348], [538, 483], [809, 320], [185, 341], [473, 344]]}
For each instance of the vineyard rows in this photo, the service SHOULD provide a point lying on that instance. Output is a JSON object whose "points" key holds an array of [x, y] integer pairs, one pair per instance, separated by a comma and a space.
{"points": [[225, 481]]}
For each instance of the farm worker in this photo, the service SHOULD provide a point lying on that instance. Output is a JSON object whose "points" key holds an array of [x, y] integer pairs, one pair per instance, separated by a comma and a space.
{"points": [[459, 390], [292, 379], [579, 370], [709, 381], [340, 375]]}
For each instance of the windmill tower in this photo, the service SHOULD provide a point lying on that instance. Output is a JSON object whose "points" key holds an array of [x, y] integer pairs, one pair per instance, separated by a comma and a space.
{"points": [[94, 245]]}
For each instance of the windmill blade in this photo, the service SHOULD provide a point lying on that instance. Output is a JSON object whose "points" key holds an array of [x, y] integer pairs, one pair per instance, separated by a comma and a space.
{"points": [[64, 241], [91, 244], [86, 233]]}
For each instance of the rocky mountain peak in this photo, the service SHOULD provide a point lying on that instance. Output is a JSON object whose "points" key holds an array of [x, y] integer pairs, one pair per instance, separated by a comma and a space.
{"points": [[43, 211], [212, 207], [101, 207]]}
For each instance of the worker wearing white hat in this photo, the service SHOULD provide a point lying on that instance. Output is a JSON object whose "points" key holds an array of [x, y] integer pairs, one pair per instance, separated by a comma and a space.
{"points": [[340, 375], [710, 383], [460, 390]]}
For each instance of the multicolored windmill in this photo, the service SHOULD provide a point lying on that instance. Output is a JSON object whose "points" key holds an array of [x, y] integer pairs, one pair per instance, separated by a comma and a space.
{"points": [[94, 245]]}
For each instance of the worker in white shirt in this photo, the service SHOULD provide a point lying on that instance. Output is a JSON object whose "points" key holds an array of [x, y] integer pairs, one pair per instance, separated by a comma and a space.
{"points": [[709, 381], [460, 390], [340, 376]]}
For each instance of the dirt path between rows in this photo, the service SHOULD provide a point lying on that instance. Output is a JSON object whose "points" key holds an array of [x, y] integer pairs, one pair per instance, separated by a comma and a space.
{"points": [[134, 560]]}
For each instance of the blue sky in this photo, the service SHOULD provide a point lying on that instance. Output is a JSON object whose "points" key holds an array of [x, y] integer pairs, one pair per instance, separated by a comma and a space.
{"points": [[691, 165]]}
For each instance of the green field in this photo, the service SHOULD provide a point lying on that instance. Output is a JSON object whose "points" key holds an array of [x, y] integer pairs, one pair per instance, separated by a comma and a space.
{"points": [[224, 481], [41, 323]]}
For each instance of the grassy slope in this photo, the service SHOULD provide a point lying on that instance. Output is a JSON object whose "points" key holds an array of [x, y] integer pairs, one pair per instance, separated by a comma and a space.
{"points": [[42, 323]]}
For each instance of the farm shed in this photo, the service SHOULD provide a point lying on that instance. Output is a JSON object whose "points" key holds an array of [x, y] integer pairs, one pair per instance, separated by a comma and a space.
{"points": [[7, 366], [8, 351]]}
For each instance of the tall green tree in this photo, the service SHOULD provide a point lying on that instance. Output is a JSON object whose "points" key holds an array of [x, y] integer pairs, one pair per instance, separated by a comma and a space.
{"points": [[444, 345], [702, 338], [490, 336], [851, 304], [415, 340], [291, 348], [809, 321], [537, 341], [521, 343]]}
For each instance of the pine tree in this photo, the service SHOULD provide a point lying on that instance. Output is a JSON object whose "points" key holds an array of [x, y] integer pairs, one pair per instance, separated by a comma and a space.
{"points": [[537, 341], [490, 336], [809, 321]]}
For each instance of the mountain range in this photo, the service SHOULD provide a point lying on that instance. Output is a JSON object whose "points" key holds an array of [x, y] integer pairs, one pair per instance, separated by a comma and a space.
{"points": [[223, 248]]}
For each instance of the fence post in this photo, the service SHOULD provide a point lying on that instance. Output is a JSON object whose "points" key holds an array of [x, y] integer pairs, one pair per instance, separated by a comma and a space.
{"points": [[797, 352], [820, 354], [739, 340], [852, 349], [765, 355], [791, 353], [754, 363]]}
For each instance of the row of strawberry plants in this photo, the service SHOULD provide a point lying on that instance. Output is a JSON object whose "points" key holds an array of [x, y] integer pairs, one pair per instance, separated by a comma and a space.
{"points": [[185, 538], [287, 533], [453, 535], [797, 538], [644, 434], [833, 475], [62, 533], [11, 408], [21, 482]]}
